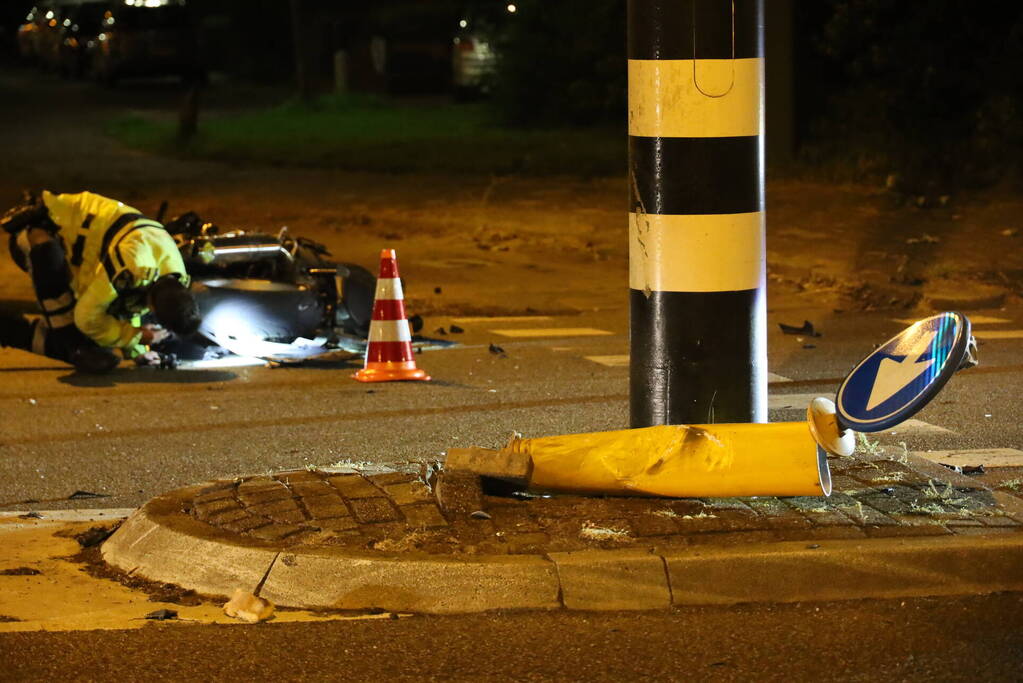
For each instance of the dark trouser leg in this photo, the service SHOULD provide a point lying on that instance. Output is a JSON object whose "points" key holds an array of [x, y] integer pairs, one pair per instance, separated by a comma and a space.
{"points": [[51, 279], [56, 335]]}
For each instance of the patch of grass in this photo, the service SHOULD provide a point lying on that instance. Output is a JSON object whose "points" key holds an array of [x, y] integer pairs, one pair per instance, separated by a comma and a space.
{"points": [[891, 476], [699, 515], [856, 509], [592, 532], [932, 491], [926, 509], [369, 134], [1012, 484], [869, 447], [950, 496]]}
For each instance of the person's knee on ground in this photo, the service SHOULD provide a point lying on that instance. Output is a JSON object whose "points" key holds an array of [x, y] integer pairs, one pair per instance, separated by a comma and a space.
{"points": [[70, 345], [94, 360]]}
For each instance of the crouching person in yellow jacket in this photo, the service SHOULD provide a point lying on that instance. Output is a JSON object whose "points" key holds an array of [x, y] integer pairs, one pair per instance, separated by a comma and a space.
{"points": [[97, 267]]}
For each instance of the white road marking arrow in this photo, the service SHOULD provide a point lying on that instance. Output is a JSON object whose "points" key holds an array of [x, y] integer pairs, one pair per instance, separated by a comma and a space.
{"points": [[894, 375]]}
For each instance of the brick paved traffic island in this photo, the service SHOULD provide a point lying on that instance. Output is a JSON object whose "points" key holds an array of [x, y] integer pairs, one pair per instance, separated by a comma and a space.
{"points": [[400, 512], [426, 540]]}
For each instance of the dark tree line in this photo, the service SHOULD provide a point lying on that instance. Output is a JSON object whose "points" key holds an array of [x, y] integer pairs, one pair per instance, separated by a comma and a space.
{"points": [[932, 91], [563, 63]]}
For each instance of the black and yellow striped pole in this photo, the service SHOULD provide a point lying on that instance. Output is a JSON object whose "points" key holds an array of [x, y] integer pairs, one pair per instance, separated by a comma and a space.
{"points": [[696, 234]]}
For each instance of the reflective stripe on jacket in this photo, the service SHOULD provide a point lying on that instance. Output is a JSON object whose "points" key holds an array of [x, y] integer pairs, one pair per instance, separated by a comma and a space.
{"points": [[114, 254]]}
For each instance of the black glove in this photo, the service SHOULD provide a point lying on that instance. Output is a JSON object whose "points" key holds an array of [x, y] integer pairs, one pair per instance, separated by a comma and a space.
{"points": [[31, 213], [168, 361], [161, 361]]}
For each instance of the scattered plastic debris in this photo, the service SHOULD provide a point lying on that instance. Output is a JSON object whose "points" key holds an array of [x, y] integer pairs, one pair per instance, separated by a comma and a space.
{"points": [[455, 329], [248, 607], [32, 402], [479, 514], [94, 536], [79, 495], [495, 349], [20, 571], [440, 330], [30, 515], [923, 239], [806, 329], [964, 469], [162, 615]]}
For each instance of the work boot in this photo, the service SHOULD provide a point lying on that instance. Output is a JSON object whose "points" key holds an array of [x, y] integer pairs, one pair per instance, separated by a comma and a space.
{"points": [[94, 360]]}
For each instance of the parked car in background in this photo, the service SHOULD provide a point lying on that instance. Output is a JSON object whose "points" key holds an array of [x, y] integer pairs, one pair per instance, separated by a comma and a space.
{"points": [[37, 36], [474, 54], [25, 41], [81, 27], [145, 38], [49, 37]]}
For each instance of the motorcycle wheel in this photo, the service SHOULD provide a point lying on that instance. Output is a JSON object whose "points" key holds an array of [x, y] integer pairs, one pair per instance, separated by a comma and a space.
{"points": [[358, 289]]}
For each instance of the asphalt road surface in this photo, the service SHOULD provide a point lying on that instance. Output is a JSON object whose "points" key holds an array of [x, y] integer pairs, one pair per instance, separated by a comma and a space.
{"points": [[137, 433], [924, 639]]}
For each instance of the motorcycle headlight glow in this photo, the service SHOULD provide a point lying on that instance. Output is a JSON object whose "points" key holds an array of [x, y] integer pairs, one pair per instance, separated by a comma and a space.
{"points": [[240, 329]]}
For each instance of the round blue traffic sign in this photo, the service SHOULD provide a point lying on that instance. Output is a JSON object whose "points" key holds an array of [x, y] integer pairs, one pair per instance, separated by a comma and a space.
{"points": [[904, 374]]}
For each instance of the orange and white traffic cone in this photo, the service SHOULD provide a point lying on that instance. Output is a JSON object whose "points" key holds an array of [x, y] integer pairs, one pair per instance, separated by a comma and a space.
{"points": [[389, 355]]}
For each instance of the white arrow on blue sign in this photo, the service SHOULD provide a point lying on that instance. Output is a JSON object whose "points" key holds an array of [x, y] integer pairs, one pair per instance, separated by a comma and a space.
{"points": [[900, 377]]}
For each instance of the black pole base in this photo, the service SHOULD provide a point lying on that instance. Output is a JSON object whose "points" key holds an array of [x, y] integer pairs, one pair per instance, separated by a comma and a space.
{"points": [[693, 359]]}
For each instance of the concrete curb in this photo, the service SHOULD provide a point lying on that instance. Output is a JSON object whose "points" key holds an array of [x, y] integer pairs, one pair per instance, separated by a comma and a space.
{"points": [[161, 543], [847, 570]]}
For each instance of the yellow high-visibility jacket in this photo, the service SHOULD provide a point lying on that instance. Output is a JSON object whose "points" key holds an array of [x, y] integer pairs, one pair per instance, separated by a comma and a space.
{"points": [[114, 254]]}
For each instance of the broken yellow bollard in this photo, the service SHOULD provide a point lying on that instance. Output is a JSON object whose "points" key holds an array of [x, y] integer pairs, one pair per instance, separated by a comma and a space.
{"points": [[685, 461]]}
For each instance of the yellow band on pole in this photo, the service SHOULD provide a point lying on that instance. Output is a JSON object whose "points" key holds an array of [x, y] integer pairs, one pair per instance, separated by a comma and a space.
{"points": [[719, 460], [696, 253], [704, 98]]}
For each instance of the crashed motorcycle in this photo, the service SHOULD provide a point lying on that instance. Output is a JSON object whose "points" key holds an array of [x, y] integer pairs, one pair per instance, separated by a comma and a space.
{"points": [[272, 297]]}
